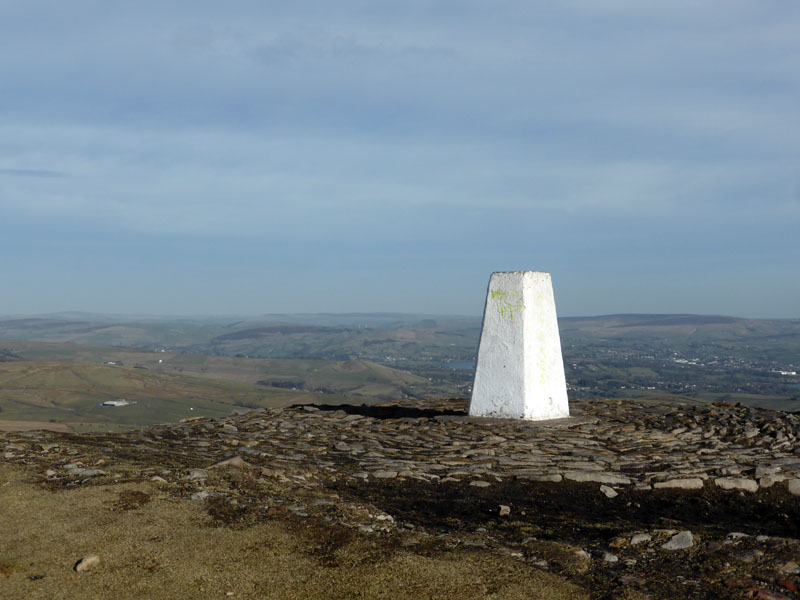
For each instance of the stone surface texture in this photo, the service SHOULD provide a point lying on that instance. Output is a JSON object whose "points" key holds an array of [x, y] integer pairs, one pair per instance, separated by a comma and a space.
{"points": [[629, 444], [520, 371]]}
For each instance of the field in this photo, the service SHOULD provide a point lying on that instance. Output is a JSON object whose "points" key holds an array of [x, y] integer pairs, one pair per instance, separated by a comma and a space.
{"points": [[67, 383], [72, 393], [354, 377]]}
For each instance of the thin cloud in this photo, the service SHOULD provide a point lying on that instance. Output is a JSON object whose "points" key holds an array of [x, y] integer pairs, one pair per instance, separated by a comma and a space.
{"points": [[483, 135]]}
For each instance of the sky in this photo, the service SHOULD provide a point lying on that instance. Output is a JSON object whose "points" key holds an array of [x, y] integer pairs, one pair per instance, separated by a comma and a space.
{"points": [[252, 157]]}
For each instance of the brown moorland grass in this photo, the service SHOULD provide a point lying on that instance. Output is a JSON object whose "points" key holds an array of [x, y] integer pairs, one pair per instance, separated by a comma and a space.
{"points": [[156, 546], [34, 426]]}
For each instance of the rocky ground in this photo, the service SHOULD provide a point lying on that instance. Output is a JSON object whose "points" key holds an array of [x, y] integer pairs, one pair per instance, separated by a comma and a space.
{"points": [[623, 498]]}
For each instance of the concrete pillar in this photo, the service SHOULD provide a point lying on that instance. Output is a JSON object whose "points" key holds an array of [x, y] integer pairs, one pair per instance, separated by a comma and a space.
{"points": [[520, 372]]}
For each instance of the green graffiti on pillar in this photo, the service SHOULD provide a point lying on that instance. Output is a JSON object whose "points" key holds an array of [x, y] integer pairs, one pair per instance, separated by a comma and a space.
{"points": [[509, 302]]}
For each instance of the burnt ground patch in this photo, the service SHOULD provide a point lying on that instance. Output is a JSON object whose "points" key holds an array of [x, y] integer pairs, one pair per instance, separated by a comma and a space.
{"points": [[580, 512], [579, 516]]}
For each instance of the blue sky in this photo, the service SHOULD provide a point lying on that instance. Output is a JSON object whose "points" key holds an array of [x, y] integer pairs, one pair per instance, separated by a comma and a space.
{"points": [[250, 157]]}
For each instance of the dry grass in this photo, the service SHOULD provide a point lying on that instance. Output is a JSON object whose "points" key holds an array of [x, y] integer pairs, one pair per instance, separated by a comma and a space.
{"points": [[156, 546], [33, 426]]}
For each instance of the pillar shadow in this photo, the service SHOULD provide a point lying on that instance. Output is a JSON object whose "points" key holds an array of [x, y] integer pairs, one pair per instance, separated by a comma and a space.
{"points": [[389, 412]]}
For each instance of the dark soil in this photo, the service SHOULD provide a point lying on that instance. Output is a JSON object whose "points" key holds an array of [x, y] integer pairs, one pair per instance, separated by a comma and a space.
{"points": [[579, 515]]}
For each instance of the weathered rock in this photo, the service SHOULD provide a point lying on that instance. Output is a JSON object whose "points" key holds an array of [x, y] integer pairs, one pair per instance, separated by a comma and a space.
{"points": [[768, 481], [235, 462], [595, 477], [610, 558], [736, 483], [197, 474], [90, 472], [546, 477], [764, 470], [790, 568], [680, 484], [86, 563], [608, 491], [793, 485], [640, 538], [680, 541]]}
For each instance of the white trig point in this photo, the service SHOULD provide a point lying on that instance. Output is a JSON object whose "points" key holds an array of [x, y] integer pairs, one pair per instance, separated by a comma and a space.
{"points": [[520, 373]]}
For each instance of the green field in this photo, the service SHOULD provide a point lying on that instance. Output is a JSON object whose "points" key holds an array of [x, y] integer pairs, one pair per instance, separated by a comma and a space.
{"points": [[72, 393], [67, 383]]}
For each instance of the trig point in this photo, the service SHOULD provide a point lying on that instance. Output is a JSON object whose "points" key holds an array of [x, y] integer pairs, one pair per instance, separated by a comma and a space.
{"points": [[520, 373]]}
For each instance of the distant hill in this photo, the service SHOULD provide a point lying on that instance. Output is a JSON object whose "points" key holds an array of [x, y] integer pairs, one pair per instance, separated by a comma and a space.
{"points": [[699, 357], [381, 337], [389, 337], [634, 320], [765, 339]]}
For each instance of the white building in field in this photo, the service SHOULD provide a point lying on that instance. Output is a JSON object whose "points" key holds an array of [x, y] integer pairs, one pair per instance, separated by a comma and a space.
{"points": [[117, 403]]}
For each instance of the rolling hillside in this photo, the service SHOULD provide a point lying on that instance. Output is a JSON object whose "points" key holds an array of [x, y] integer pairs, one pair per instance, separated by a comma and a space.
{"points": [[72, 393], [67, 383]]}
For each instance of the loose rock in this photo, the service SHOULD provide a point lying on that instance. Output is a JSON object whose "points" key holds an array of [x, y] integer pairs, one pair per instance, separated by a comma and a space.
{"points": [[595, 477], [680, 484], [736, 483], [479, 483], [86, 563], [196, 474], [610, 558], [680, 541], [790, 568], [609, 491], [236, 462]]}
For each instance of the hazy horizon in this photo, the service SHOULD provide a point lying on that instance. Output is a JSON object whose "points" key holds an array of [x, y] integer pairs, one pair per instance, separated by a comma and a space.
{"points": [[67, 315], [263, 157]]}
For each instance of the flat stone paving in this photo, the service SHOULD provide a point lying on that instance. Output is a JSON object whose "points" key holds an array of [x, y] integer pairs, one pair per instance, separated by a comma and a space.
{"points": [[614, 443]]}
